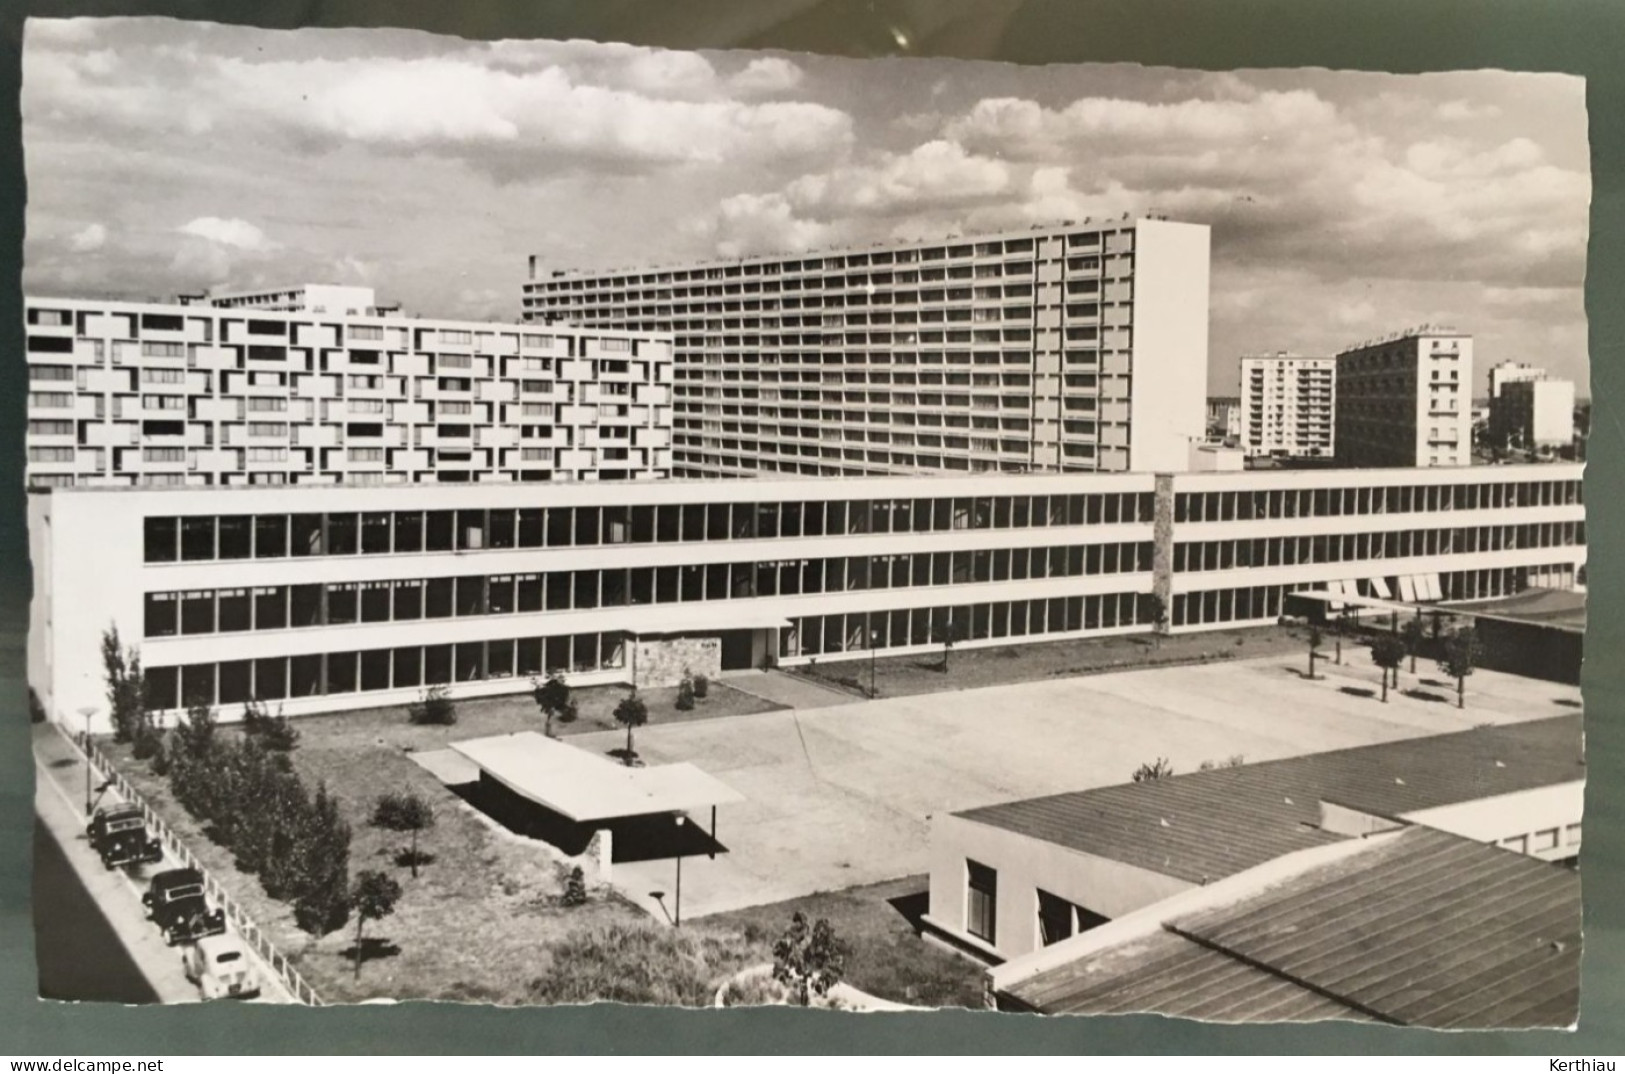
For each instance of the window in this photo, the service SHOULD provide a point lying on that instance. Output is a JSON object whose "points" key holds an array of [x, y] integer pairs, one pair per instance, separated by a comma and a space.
{"points": [[264, 404], [65, 454], [50, 428], [982, 900], [160, 536]]}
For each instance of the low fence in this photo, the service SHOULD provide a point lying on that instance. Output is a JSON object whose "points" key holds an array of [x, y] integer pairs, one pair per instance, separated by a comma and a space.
{"points": [[245, 926]]}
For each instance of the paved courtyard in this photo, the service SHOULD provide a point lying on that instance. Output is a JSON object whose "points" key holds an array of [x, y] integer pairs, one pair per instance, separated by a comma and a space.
{"points": [[841, 796]]}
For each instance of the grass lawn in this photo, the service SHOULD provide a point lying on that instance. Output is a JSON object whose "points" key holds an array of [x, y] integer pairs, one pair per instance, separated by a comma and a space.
{"points": [[902, 676], [884, 955], [479, 921]]}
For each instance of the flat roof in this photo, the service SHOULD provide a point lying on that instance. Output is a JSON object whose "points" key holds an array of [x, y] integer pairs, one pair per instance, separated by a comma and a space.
{"points": [[1070, 481], [586, 787], [1202, 826], [1417, 927]]}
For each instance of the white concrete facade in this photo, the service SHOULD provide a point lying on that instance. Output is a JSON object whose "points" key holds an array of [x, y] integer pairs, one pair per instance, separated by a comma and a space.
{"points": [[308, 297], [348, 597], [1406, 400], [1535, 412], [1288, 406], [1070, 347], [128, 393]]}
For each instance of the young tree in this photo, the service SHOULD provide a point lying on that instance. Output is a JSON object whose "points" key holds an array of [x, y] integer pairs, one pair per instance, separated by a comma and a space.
{"points": [[1156, 770], [553, 698], [702, 686], [372, 898], [1315, 640], [1413, 632], [1159, 618], [809, 960], [126, 689], [947, 634], [631, 712], [433, 706], [404, 813], [273, 732], [1388, 652], [323, 853], [1461, 653], [685, 694]]}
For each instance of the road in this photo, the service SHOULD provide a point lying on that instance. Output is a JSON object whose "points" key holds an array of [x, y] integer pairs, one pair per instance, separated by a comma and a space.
{"points": [[116, 893]]}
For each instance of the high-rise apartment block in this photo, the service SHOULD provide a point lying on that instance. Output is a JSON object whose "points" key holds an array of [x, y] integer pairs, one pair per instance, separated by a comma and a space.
{"points": [[1536, 413], [1075, 347], [1406, 400], [1503, 373], [1288, 406], [236, 392]]}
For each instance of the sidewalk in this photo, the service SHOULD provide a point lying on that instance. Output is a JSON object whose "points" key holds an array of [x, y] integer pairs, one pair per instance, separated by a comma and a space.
{"points": [[59, 795]]}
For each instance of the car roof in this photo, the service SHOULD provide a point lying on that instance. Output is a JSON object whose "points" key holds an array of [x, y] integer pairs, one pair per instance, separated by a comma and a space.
{"points": [[175, 877], [220, 944], [117, 809]]}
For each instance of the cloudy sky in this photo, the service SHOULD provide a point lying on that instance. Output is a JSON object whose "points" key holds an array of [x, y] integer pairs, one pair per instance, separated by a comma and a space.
{"points": [[165, 156]]}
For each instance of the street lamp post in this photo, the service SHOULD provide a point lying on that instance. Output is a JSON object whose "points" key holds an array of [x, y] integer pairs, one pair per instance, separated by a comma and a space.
{"points": [[87, 712], [677, 896]]}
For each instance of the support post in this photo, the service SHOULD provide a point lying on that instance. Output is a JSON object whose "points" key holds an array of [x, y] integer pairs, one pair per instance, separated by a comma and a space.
{"points": [[713, 854]]}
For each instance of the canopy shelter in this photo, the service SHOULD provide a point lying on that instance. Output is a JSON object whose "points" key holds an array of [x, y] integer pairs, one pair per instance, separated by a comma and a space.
{"points": [[585, 787]]}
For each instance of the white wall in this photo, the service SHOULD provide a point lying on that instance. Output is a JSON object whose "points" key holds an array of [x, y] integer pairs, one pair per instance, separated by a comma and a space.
{"points": [[1168, 407], [1544, 822], [1024, 864]]}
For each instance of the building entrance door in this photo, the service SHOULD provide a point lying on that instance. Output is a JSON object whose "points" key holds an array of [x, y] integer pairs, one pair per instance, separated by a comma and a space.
{"points": [[736, 650]]}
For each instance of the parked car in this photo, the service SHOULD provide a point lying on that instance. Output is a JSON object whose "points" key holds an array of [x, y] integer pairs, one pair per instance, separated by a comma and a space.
{"points": [[176, 901], [220, 967], [119, 834]]}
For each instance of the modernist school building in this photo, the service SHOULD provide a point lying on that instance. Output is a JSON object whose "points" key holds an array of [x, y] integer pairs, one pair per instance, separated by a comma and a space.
{"points": [[362, 596]]}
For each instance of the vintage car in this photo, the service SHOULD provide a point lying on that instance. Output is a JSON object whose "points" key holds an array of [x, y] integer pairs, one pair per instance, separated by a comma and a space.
{"points": [[221, 968], [119, 834], [176, 902]]}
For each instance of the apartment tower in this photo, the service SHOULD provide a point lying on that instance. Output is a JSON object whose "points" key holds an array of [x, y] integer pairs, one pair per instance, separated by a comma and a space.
{"points": [[1288, 405], [307, 385], [1081, 346], [1405, 400]]}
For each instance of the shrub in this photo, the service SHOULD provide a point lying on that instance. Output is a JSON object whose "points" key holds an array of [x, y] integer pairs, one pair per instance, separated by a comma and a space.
{"points": [[1157, 770], [433, 707], [639, 962], [685, 694], [808, 959], [702, 686], [273, 732], [575, 888], [149, 743]]}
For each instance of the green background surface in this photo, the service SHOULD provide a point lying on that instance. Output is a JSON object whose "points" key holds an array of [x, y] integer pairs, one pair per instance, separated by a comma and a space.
{"points": [[1584, 38]]}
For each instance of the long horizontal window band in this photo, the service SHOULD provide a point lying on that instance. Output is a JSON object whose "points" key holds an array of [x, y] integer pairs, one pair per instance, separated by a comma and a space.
{"points": [[1218, 606], [278, 678], [192, 538], [281, 607], [1391, 544], [1250, 504], [853, 632]]}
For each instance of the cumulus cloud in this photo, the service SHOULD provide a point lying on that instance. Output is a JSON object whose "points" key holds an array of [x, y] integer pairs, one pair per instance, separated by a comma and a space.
{"points": [[769, 74], [934, 174], [93, 237], [234, 233], [763, 223]]}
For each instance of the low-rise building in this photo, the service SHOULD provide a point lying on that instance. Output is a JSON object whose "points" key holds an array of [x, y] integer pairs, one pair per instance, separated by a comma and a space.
{"points": [[1013, 878], [1413, 926], [354, 596]]}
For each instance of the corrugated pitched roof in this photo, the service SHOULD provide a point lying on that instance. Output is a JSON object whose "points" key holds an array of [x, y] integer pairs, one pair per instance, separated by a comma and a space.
{"points": [[1423, 928], [1206, 825], [1427, 929], [1167, 974]]}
